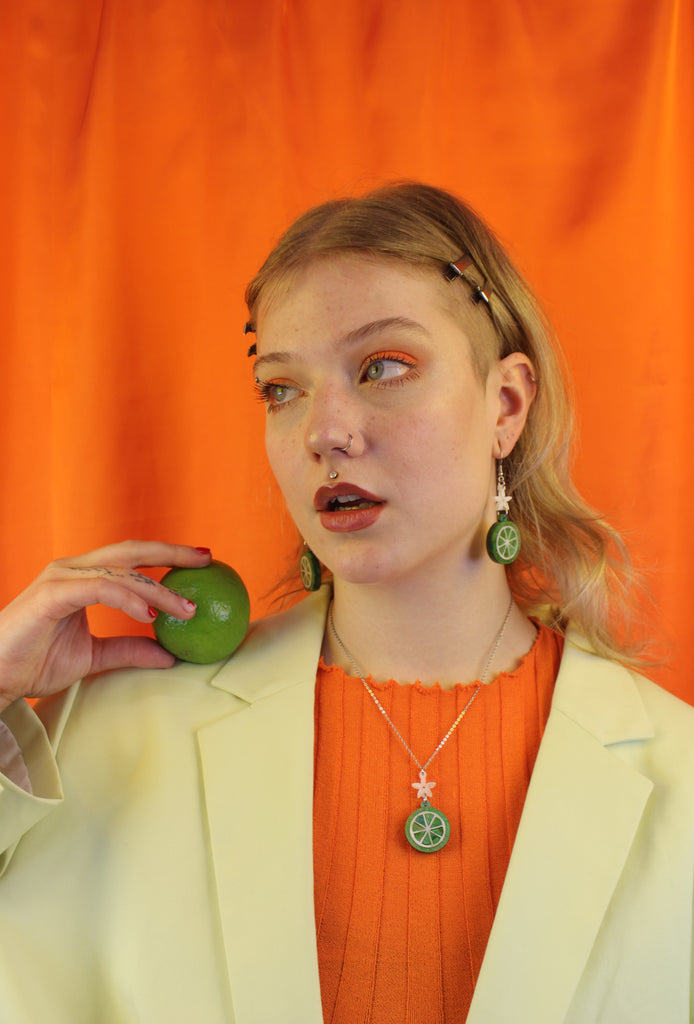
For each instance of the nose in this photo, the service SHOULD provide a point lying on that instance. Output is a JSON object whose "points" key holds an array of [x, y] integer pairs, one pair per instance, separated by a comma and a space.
{"points": [[332, 429], [321, 443]]}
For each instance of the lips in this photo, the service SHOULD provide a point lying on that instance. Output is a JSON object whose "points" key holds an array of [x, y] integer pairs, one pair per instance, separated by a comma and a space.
{"points": [[339, 497], [346, 507]]}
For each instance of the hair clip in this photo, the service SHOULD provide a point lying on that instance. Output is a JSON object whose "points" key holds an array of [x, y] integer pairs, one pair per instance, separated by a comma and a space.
{"points": [[454, 270], [249, 328], [479, 295]]}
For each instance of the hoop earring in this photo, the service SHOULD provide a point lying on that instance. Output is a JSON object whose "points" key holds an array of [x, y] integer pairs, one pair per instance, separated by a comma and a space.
{"points": [[310, 570], [503, 538]]}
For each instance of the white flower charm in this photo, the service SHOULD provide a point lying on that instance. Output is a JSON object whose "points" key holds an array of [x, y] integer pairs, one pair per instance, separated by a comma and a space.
{"points": [[423, 787]]}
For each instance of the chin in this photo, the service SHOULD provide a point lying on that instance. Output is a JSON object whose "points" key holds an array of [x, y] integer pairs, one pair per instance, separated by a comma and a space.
{"points": [[371, 570]]}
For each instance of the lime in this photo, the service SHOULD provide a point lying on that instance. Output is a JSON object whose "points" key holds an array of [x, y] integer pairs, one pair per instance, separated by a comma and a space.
{"points": [[220, 622]]}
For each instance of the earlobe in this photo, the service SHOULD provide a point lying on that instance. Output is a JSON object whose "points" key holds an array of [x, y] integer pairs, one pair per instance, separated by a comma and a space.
{"points": [[517, 389]]}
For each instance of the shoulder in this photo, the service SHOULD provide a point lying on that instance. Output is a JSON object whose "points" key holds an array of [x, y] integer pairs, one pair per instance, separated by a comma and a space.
{"points": [[583, 670], [637, 719], [673, 719], [278, 651], [127, 724]]}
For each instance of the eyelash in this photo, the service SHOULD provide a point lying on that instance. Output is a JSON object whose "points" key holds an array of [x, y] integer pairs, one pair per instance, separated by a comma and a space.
{"points": [[264, 389], [263, 392]]}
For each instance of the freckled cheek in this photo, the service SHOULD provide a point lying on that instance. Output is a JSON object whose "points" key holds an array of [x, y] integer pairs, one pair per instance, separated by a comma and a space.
{"points": [[274, 451], [427, 435], [285, 456]]}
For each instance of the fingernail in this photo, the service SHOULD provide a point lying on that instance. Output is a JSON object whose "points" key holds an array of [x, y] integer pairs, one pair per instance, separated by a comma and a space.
{"points": [[152, 612], [204, 551], [190, 604]]}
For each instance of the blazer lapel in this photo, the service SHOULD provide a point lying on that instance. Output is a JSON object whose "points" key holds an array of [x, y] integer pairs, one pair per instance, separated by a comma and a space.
{"points": [[258, 778], [581, 813]]}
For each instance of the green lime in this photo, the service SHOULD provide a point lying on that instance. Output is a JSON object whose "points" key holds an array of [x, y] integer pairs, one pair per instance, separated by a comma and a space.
{"points": [[220, 622]]}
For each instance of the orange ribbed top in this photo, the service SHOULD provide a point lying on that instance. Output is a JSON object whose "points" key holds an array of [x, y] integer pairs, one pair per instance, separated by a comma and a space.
{"points": [[401, 934]]}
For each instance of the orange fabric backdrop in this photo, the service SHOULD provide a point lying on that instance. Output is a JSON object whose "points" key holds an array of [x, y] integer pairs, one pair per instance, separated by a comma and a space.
{"points": [[151, 152]]}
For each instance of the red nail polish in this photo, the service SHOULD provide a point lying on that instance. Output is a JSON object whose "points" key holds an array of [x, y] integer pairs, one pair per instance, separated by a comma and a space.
{"points": [[190, 604], [153, 613], [204, 551]]}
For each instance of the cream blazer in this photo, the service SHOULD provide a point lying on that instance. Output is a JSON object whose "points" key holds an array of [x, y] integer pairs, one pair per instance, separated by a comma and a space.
{"points": [[164, 872]]}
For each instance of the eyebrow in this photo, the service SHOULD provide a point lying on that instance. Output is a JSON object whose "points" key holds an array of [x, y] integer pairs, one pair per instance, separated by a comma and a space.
{"points": [[391, 323]]}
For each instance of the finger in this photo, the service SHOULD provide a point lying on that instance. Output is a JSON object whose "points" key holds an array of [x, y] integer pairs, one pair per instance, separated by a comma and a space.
{"points": [[132, 553], [138, 596], [129, 652]]}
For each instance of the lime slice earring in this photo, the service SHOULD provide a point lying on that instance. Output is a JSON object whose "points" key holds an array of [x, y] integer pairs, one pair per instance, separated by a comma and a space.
{"points": [[503, 539], [310, 570]]}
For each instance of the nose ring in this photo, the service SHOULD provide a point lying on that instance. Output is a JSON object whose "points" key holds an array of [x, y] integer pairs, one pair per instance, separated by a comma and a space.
{"points": [[348, 445]]}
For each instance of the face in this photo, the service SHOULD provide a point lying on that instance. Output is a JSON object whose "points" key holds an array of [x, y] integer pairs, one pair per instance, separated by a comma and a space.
{"points": [[369, 349]]}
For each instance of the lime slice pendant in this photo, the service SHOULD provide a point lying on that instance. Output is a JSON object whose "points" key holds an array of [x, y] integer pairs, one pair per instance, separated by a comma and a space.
{"points": [[427, 829]]}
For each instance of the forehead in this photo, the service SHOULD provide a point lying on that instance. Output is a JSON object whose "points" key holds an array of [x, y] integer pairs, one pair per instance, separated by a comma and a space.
{"points": [[338, 294]]}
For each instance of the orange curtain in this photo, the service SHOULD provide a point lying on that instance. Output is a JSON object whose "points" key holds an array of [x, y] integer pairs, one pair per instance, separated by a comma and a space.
{"points": [[151, 153]]}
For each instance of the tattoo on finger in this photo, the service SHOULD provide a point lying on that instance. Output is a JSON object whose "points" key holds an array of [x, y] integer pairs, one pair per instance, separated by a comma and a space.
{"points": [[104, 570], [141, 578]]}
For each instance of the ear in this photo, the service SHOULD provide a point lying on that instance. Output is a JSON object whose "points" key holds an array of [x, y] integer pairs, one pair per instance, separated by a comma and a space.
{"points": [[515, 386]]}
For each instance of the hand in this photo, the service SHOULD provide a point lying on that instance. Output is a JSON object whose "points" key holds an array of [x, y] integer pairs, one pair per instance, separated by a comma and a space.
{"points": [[45, 641]]}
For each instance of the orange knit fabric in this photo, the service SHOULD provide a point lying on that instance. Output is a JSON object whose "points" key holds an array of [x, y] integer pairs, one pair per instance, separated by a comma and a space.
{"points": [[402, 934]]}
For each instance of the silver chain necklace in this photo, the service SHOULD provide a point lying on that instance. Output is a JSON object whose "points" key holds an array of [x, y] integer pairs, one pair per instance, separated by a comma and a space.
{"points": [[427, 829]]}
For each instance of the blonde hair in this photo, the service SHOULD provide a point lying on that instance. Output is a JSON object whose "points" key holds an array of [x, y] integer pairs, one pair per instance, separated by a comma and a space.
{"points": [[571, 558]]}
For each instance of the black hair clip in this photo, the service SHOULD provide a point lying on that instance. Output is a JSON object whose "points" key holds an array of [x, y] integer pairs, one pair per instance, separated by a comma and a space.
{"points": [[249, 328], [454, 270], [479, 295]]}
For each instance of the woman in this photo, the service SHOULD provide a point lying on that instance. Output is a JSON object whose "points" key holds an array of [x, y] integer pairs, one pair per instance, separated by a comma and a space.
{"points": [[403, 799]]}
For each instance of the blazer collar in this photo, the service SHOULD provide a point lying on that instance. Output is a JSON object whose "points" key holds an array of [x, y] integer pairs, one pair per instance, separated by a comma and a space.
{"points": [[279, 652], [599, 696]]}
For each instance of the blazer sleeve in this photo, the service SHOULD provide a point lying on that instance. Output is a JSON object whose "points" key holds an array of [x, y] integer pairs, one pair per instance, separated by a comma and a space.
{"points": [[12, 764], [38, 739]]}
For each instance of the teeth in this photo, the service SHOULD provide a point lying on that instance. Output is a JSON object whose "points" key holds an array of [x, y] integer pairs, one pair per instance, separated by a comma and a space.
{"points": [[346, 502]]}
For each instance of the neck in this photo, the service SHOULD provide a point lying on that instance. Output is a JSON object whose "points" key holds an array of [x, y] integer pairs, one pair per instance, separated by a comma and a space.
{"points": [[427, 633]]}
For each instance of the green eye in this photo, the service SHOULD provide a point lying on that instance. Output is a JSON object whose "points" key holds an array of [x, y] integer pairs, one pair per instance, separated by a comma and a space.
{"points": [[375, 370], [274, 396], [387, 368]]}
